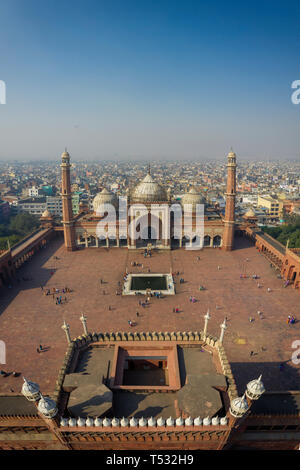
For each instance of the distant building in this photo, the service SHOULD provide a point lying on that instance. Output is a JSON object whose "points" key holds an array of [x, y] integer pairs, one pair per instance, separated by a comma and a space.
{"points": [[54, 205], [35, 206], [47, 190], [35, 192], [273, 205]]}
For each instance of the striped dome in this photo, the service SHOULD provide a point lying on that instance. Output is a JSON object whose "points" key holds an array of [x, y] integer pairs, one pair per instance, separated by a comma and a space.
{"points": [[193, 197], [104, 197], [148, 190]]}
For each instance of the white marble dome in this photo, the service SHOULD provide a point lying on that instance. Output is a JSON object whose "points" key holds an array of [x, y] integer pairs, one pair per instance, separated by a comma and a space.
{"points": [[47, 407], [255, 389], [30, 390], [104, 197], [148, 190], [193, 197], [239, 406]]}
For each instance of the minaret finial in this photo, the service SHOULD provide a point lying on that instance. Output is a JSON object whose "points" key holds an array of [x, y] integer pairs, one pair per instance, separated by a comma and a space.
{"points": [[149, 169]]}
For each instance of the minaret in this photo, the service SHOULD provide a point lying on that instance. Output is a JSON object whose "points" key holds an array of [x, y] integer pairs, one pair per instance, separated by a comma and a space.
{"points": [[229, 220], [68, 223]]}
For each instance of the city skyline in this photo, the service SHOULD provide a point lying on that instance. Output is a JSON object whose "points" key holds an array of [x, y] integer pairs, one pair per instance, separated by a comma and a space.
{"points": [[146, 81]]}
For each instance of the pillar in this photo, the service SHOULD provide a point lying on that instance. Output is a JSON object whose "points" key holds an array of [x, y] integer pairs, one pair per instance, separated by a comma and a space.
{"points": [[68, 222], [83, 319], [229, 220], [223, 328], [206, 318], [66, 328]]}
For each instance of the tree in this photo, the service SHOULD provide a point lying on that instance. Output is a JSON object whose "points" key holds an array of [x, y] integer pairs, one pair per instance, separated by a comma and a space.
{"points": [[23, 223]]}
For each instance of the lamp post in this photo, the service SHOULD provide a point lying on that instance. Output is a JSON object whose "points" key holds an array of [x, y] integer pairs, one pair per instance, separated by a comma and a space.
{"points": [[223, 328], [83, 319], [206, 318], [66, 328]]}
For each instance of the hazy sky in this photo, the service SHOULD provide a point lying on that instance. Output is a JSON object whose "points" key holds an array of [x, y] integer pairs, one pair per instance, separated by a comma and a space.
{"points": [[149, 79]]}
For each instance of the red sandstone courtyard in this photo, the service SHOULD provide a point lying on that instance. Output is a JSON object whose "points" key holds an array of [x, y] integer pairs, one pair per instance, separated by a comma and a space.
{"points": [[28, 318]]}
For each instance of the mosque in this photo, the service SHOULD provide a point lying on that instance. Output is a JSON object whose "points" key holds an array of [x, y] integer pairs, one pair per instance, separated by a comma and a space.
{"points": [[132, 390], [150, 211]]}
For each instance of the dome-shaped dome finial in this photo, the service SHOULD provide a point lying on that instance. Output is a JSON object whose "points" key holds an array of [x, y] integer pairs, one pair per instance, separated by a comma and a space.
{"points": [[65, 154], [47, 407], [238, 406], [30, 390], [255, 388]]}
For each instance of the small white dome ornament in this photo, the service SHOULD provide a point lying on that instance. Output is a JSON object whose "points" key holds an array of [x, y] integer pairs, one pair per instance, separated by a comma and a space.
{"points": [[133, 422], [223, 421], [72, 422], [151, 422], [80, 422], [179, 421], [47, 407], [98, 421], [106, 422], [255, 389], [160, 421], [197, 421], [170, 421], [115, 422], [64, 422], [124, 422], [89, 421], [30, 390], [207, 421], [142, 422], [238, 407], [189, 421]]}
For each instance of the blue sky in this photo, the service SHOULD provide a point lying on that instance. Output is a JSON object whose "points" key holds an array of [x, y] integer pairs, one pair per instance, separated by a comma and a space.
{"points": [[149, 79]]}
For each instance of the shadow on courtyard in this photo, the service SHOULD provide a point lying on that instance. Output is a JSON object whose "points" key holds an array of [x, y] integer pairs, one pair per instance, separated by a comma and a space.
{"points": [[276, 376], [241, 243], [32, 274], [131, 404]]}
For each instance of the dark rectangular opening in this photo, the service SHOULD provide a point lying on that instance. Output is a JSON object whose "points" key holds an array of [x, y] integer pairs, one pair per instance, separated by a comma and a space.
{"points": [[148, 282], [145, 371]]}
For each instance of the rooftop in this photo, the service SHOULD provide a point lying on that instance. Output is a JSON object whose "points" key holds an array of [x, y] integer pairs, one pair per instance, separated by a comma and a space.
{"points": [[97, 388]]}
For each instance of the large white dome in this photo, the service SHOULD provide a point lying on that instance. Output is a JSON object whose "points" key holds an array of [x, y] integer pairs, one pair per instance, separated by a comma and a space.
{"points": [[193, 197], [148, 190], [105, 197]]}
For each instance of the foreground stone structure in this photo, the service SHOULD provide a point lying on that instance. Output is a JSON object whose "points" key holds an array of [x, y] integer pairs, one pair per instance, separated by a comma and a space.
{"points": [[252, 421]]}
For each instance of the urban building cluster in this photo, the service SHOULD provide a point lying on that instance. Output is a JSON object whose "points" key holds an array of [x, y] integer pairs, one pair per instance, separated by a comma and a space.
{"points": [[269, 189]]}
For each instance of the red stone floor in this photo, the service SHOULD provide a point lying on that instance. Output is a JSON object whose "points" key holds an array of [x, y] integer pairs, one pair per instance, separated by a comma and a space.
{"points": [[29, 318]]}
